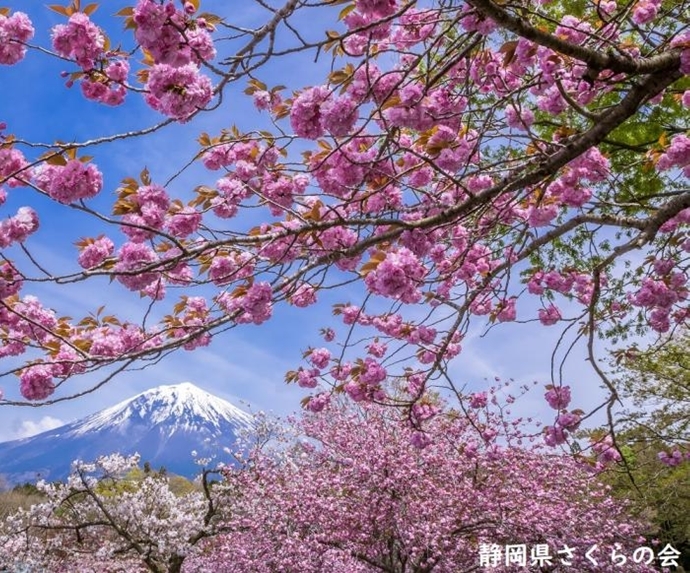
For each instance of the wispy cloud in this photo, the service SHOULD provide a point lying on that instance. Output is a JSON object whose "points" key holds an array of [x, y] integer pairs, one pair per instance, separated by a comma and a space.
{"points": [[29, 428]]}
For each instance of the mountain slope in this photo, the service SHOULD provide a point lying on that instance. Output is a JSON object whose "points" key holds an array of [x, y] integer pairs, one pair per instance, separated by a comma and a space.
{"points": [[164, 425]]}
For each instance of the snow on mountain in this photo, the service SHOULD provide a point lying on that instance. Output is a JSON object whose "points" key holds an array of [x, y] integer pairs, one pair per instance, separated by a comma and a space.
{"points": [[181, 406], [164, 425]]}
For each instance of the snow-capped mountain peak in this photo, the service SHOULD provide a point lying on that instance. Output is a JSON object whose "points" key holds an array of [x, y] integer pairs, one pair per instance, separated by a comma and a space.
{"points": [[181, 404], [164, 425]]}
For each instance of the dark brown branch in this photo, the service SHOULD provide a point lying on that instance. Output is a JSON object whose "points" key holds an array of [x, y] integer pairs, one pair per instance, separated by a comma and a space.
{"points": [[595, 60]]}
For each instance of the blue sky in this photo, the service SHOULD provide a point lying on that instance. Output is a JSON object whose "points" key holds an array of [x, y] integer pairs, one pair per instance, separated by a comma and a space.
{"points": [[246, 364]]}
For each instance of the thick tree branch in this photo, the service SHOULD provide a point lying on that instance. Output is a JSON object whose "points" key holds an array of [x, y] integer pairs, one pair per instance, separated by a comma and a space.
{"points": [[595, 60]]}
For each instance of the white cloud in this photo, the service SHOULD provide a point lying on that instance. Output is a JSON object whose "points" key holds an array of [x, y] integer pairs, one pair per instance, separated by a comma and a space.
{"points": [[29, 428]]}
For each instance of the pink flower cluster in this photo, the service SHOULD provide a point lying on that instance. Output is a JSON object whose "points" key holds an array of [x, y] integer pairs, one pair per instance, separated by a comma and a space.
{"points": [[305, 115], [18, 227], [550, 315], [645, 11], [264, 100], [149, 206], [398, 276], [10, 280], [12, 167], [677, 154], [253, 306], [675, 458], [15, 31], [95, 252], [366, 378], [36, 382], [320, 357], [304, 295], [177, 44], [606, 452], [107, 86], [376, 8], [520, 119], [570, 189], [170, 36], [24, 321], [660, 295], [682, 41], [307, 377], [116, 341], [315, 111], [377, 349], [131, 259], [506, 311], [318, 402], [66, 363], [478, 400], [178, 91], [70, 182], [564, 283], [414, 26], [226, 268], [280, 192], [104, 75], [558, 397], [252, 169], [345, 168], [573, 30], [193, 323], [183, 222], [415, 110], [80, 40]]}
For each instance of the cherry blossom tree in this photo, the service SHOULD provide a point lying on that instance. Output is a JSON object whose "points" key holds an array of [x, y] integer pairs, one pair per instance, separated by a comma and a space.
{"points": [[458, 162], [357, 495], [101, 519]]}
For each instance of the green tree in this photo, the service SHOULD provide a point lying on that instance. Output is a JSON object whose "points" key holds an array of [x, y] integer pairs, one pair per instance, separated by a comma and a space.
{"points": [[654, 439], [657, 383]]}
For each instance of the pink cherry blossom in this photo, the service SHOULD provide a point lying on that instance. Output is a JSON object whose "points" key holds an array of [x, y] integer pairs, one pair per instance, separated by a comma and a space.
{"points": [[80, 40], [478, 400], [18, 227], [10, 280], [131, 259], [305, 116], [398, 276], [606, 451], [506, 311], [36, 382], [558, 397], [549, 316], [184, 222], [15, 30], [320, 357], [377, 8], [339, 115], [645, 11], [71, 182], [13, 167], [170, 36], [303, 296], [178, 91], [95, 252], [254, 306]]}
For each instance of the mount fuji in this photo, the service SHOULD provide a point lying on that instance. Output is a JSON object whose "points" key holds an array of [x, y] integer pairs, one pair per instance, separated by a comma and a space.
{"points": [[164, 425]]}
